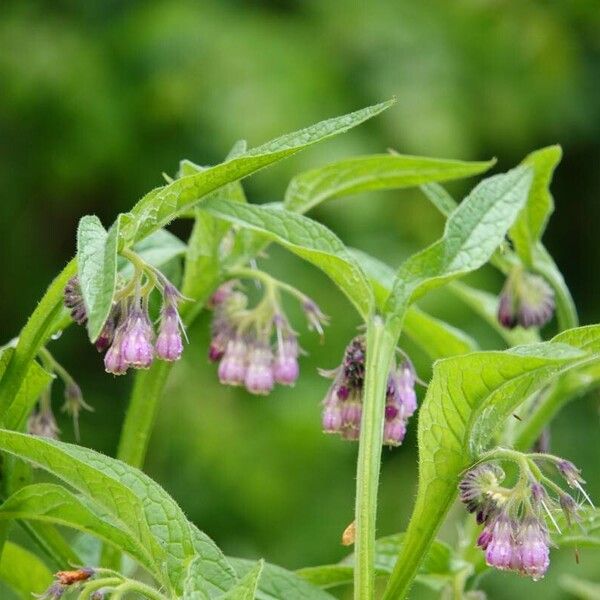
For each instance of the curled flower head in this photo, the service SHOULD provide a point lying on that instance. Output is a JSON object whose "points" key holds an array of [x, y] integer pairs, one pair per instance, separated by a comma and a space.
{"points": [[526, 299], [342, 407], [478, 490], [242, 338], [73, 300]]}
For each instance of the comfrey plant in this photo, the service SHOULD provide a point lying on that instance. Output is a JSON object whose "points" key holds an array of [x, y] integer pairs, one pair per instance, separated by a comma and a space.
{"points": [[469, 442]]}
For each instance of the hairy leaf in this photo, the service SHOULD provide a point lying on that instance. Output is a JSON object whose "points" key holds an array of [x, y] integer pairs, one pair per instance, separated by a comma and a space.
{"points": [[306, 238], [467, 401], [162, 205], [23, 571], [51, 503], [276, 583], [97, 268], [132, 498], [374, 172], [472, 234], [246, 588], [531, 223]]}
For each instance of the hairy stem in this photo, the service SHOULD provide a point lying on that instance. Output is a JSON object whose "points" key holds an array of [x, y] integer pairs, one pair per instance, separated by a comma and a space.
{"points": [[380, 352]]}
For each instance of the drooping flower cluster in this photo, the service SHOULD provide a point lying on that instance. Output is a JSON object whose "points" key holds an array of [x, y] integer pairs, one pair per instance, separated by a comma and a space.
{"points": [[515, 536], [128, 336], [342, 407], [526, 299], [242, 338]]}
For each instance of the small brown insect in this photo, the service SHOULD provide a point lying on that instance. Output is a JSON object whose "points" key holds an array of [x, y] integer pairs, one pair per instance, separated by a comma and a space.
{"points": [[577, 555], [349, 534], [71, 577]]}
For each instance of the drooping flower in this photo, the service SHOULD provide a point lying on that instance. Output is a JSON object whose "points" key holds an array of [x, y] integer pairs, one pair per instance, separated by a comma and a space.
{"points": [[259, 377], [232, 368], [526, 299], [43, 424], [534, 548], [137, 348], [342, 407], [502, 551], [169, 343], [73, 300]]}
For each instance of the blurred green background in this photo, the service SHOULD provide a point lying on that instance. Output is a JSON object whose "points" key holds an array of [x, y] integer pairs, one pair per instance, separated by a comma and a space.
{"points": [[97, 99]]}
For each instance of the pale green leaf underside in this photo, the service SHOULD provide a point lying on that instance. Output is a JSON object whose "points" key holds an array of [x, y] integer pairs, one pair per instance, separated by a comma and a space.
{"points": [[97, 268], [247, 586], [472, 234], [276, 583], [306, 238], [374, 172], [23, 571], [158, 249], [132, 498], [162, 205]]}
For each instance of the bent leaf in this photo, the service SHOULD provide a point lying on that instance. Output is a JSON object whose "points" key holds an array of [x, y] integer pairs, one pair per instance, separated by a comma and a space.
{"points": [[97, 268], [472, 234], [162, 205], [306, 238], [374, 172], [246, 588], [132, 498], [467, 401]]}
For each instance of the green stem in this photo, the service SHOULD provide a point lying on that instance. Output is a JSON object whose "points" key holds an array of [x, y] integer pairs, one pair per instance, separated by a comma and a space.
{"points": [[380, 351], [34, 335]]}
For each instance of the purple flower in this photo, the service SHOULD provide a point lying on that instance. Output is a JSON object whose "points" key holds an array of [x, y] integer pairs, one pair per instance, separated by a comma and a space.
{"points": [[114, 362], [477, 489], [534, 550], [169, 344], [73, 300], [43, 424], [232, 369], [502, 551], [259, 373], [285, 364], [136, 344], [526, 299], [107, 334], [332, 418], [315, 317]]}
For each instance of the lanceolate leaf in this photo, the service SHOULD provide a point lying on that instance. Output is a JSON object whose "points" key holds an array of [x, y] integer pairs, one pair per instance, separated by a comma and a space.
{"points": [[473, 232], [374, 172], [55, 504], [467, 401], [23, 571], [97, 267], [276, 583], [246, 588], [164, 204], [306, 238], [531, 223], [133, 499]]}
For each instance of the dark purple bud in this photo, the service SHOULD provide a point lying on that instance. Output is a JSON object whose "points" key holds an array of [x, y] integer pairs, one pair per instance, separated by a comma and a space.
{"points": [[391, 412], [485, 537], [343, 392], [506, 310], [570, 508], [107, 334], [73, 300]]}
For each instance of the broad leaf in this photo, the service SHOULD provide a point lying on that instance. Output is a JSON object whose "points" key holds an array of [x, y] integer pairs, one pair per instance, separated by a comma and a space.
{"points": [[467, 401], [472, 234], [374, 172], [306, 238], [276, 583], [97, 268], [133, 499], [531, 223], [51, 503], [437, 338], [246, 588], [164, 204], [485, 305], [23, 572]]}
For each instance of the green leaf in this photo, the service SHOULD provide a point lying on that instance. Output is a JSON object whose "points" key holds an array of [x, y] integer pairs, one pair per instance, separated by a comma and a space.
{"points": [[51, 503], [532, 220], [437, 338], [162, 205], [97, 268], [374, 172], [580, 588], [23, 571], [306, 238], [440, 563], [276, 583], [485, 305], [467, 401], [472, 234], [246, 588], [583, 534], [158, 249], [133, 499]]}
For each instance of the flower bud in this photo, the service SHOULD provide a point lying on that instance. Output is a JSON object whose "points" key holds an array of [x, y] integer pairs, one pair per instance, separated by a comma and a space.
{"points": [[169, 344], [73, 300], [43, 424], [107, 334]]}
